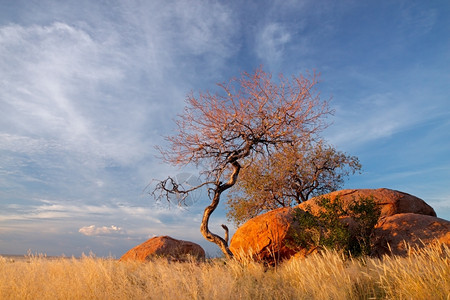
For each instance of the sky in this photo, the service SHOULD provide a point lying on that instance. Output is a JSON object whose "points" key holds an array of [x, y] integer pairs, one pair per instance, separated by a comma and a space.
{"points": [[89, 88]]}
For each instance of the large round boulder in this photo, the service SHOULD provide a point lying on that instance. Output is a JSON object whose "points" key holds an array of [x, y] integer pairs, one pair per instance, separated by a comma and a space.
{"points": [[265, 237], [391, 202], [165, 246], [268, 237], [392, 232]]}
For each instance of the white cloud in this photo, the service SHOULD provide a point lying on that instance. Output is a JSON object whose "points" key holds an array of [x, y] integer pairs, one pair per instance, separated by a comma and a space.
{"points": [[51, 76], [93, 230], [77, 210], [97, 92], [271, 41], [65, 115], [207, 28], [140, 221], [172, 39]]}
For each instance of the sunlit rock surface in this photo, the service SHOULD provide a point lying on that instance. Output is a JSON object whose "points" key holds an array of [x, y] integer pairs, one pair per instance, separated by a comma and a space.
{"points": [[165, 246]]}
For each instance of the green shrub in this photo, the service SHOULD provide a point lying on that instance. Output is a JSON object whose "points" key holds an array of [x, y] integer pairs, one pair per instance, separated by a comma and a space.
{"points": [[348, 229]]}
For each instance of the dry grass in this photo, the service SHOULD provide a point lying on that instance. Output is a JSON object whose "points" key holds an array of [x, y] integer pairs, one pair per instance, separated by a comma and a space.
{"points": [[424, 274]]}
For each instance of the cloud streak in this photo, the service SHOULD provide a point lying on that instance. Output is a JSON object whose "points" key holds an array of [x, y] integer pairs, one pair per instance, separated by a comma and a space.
{"points": [[271, 41], [41, 89], [93, 230]]}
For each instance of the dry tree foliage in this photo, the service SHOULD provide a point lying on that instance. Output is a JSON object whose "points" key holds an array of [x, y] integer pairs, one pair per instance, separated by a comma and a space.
{"points": [[250, 116], [251, 113], [289, 176]]}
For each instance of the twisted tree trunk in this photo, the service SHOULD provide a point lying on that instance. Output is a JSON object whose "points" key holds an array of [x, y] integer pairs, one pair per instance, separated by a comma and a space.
{"points": [[204, 229]]}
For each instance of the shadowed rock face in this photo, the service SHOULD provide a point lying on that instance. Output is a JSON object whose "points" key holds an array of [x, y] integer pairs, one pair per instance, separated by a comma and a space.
{"points": [[417, 230], [164, 246], [267, 238]]}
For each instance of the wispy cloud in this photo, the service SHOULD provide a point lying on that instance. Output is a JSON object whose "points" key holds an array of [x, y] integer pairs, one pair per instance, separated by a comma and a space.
{"points": [[376, 117], [271, 41], [78, 211], [40, 90], [93, 230], [52, 219], [94, 91], [384, 110]]}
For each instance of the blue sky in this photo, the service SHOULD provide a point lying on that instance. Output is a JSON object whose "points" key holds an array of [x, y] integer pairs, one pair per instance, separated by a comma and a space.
{"points": [[88, 88]]}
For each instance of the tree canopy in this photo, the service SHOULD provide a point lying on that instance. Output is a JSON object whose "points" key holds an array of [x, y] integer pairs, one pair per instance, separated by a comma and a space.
{"points": [[289, 176]]}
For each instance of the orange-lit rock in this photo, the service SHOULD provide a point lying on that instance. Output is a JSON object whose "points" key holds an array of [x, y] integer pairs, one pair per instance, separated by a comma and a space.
{"points": [[416, 230], [164, 246], [265, 237], [391, 202]]}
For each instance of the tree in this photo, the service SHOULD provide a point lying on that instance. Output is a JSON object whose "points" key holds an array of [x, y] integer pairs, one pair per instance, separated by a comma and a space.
{"points": [[290, 176], [226, 130]]}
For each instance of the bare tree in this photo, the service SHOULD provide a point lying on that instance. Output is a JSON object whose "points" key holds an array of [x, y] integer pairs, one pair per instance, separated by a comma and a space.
{"points": [[247, 117]]}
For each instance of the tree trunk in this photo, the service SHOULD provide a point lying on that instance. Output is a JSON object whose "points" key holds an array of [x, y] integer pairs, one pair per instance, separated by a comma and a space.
{"points": [[204, 229]]}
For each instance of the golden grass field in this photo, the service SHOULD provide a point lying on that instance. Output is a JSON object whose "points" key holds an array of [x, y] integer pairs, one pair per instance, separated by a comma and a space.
{"points": [[424, 274]]}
